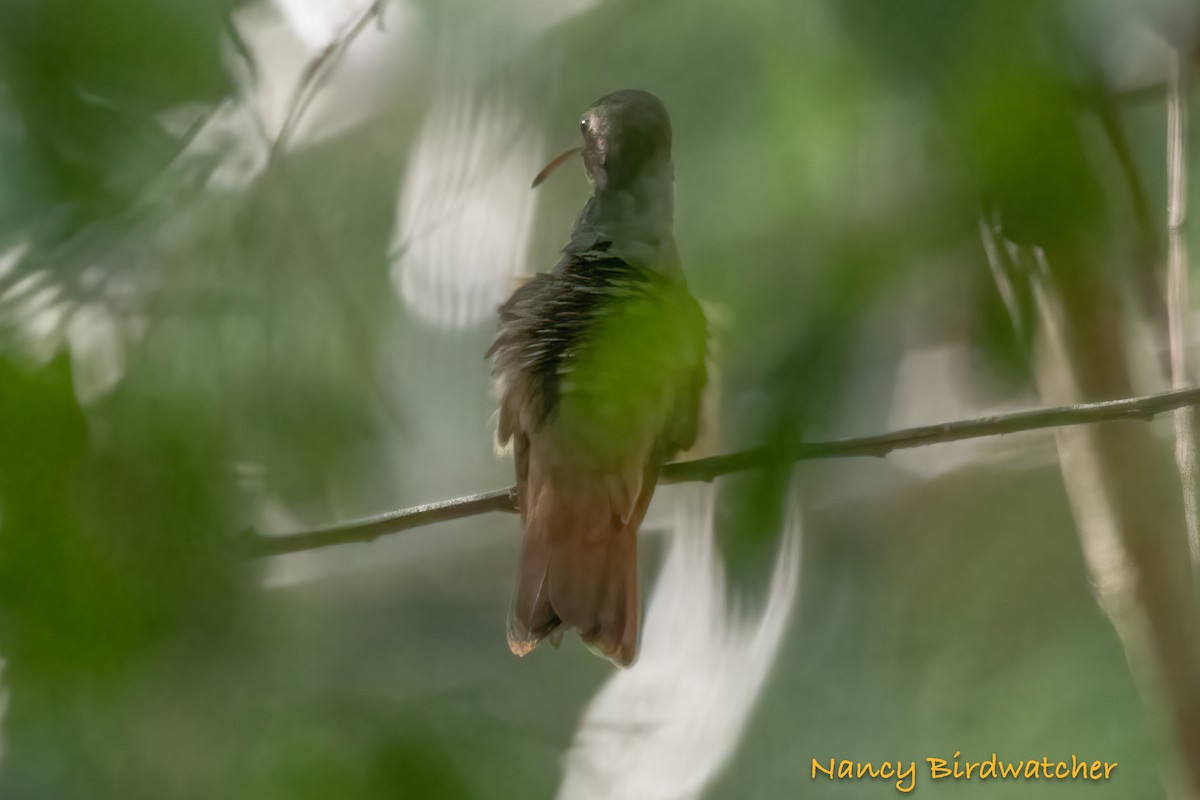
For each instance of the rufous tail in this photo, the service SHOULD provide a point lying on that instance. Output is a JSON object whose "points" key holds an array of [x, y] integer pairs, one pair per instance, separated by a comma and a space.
{"points": [[578, 563]]}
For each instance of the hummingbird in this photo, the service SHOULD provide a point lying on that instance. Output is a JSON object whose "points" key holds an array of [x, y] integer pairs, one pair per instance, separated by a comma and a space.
{"points": [[598, 368]]}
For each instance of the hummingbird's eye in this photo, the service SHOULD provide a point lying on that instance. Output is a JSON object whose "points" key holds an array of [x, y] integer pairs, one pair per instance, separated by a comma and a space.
{"points": [[583, 126]]}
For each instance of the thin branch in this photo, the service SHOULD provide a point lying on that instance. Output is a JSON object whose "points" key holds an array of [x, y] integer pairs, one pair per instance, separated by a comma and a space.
{"points": [[707, 469], [316, 71], [371, 528], [311, 80], [1177, 286], [1178, 296]]}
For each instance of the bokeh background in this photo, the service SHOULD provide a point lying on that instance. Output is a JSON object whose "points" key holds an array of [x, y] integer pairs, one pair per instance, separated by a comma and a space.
{"points": [[249, 260]]}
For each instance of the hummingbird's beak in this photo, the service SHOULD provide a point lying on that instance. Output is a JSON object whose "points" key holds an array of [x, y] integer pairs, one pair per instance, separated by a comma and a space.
{"points": [[553, 165]]}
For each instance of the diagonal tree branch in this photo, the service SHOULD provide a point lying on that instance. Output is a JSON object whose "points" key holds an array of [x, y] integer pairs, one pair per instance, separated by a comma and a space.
{"points": [[258, 545]]}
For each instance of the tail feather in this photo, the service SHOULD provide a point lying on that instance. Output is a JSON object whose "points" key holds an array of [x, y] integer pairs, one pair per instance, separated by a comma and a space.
{"points": [[578, 564]]}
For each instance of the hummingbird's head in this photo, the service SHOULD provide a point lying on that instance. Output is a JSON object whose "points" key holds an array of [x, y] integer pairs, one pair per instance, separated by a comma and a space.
{"points": [[627, 153], [626, 134]]}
